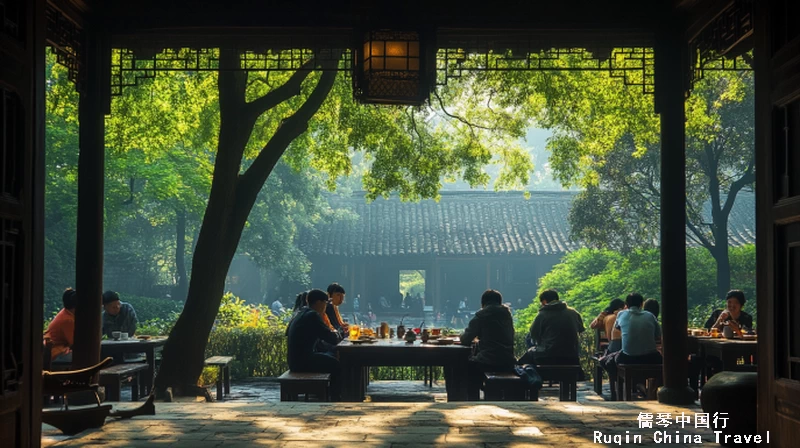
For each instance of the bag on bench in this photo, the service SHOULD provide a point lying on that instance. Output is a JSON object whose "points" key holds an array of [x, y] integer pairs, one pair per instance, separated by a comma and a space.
{"points": [[529, 374]]}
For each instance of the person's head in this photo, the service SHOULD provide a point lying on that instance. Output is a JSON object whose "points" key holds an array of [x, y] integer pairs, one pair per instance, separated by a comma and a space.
{"points": [[547, 296], [614, 305], [735, 301], [634, 299], [317, 300], [111, 302], [651, 305], [69, 299], [491, 297], [336, 293], [300, 300]]}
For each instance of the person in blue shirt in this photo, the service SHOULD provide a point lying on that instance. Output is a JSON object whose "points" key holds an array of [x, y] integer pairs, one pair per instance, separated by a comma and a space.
{"points": [[640, 331]]}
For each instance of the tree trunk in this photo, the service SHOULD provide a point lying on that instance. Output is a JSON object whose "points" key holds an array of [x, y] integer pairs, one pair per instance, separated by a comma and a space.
{"points": [[229, 203], [180, 257], [721, 255]]}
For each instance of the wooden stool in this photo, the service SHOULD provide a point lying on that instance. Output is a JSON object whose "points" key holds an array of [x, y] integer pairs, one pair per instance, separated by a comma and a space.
{"points": [[630, 374], [224, 377], [113, 377], [566, 376], [306, 383], [508, 386]]}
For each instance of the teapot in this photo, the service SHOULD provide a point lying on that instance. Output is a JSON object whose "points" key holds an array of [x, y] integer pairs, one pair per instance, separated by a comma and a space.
{"points": [[727, 331], [410, 337]]}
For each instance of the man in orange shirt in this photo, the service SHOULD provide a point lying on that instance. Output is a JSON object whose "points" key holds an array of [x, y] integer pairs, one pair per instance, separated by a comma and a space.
{"points": [[61, 330]]}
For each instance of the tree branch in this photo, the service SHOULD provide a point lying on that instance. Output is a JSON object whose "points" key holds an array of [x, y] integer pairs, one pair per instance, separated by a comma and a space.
{"points": [[699, 236], [253, 179], [286, 91], [747, 178], [472, 126]]}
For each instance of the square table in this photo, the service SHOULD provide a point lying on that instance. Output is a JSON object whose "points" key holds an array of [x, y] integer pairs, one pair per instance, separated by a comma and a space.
{"points": [[396, 352], [117, 350], [727, 350]]}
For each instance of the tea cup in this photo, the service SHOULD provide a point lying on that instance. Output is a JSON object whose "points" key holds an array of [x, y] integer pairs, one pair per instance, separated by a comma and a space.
{"points": [[115, 335]]}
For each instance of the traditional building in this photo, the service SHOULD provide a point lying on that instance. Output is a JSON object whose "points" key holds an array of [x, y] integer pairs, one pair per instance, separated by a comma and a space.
{"points": [[465, 243]]}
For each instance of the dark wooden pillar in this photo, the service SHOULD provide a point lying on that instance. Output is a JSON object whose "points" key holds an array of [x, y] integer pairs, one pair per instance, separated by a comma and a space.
{"points": [[91, 175], [671, 66]]}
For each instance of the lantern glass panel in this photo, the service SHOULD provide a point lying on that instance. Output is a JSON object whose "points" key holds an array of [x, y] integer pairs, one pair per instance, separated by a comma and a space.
{"points": [[396, 63], [413, 49], [397, 49]]}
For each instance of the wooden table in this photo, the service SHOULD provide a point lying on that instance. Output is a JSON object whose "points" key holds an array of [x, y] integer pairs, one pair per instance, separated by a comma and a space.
{"points": [[395, 352], [727, 350], [118, 349]]}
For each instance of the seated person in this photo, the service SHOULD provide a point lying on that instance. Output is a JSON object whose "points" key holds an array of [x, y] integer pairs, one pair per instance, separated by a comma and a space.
{"points": [[303, 333], [118, 315], [61, 331], [494, 328], [300, 302], [277, 307], [640, 331], [554, 333], [606, 320], [733, 315], [336, 295]]}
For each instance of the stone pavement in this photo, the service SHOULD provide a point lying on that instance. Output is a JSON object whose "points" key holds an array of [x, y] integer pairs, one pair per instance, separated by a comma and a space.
{"points": [[249, 419]]}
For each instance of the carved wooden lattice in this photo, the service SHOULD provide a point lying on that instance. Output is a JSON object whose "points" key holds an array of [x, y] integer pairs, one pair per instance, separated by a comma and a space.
{"points": [[11, 243]]}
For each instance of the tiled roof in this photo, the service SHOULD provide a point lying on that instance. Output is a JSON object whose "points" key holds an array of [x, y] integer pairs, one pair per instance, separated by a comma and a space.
{"points": [[468, 223]]}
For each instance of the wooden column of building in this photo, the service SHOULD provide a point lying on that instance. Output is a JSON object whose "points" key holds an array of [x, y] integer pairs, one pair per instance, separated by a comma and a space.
{"points": [[671, 65], [91, 175]]}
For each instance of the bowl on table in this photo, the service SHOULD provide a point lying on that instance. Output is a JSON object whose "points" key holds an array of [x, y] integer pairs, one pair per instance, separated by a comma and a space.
{"points": [[115, 335]]}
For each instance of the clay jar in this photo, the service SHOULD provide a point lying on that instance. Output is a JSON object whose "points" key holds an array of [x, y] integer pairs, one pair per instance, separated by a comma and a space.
{"points": [[425, 335], [401, 330], [410, 337]]}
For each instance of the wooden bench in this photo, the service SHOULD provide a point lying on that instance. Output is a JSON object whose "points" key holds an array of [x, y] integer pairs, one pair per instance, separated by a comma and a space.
{"points": [[113, 377], [508, 386], [566, 376], [224, 376], [305, 383], [628, 375]]}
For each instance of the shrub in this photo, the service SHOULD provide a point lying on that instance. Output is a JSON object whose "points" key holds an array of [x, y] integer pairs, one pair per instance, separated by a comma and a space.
{"points": [[149, 308]]}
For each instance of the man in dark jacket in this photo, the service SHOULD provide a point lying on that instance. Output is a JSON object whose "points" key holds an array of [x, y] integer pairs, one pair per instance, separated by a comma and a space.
{"points": [[494, 328], [555, 332], [304, 331]]}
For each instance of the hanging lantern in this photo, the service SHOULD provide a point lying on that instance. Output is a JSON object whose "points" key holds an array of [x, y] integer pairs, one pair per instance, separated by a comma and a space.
{"points": [[392, 67]]}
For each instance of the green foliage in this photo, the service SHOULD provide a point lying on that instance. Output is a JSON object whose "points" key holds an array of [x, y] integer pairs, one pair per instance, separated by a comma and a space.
{"points": [[149, 308], [588, 279], [412, 282]]}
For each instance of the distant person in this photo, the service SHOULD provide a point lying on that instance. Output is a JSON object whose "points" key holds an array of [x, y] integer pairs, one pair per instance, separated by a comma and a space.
{"points": [[519, 304], [357, 303], [61, 331], [277, 307], [118, 315], [640, 331], [336, 294], [303, 334], [554, 332], [493, 326], [300, 302], [651, 305], [605, 321], [733, 315], [385, 305]]}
